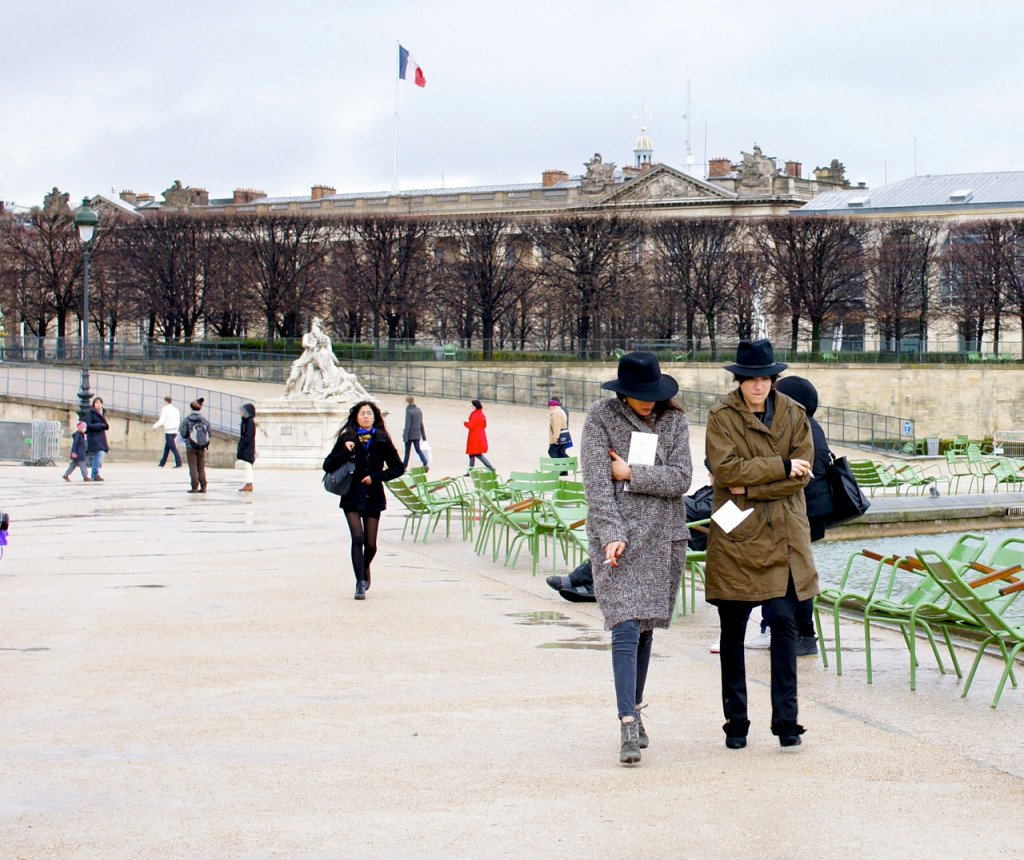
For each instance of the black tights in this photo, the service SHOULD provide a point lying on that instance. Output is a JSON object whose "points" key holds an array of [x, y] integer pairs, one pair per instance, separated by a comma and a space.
{"points": [[363, 527]]}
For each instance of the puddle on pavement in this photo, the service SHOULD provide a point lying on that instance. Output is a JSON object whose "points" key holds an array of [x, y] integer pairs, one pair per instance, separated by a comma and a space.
{"points": [[587, 639], [26, 650], [138, 586]]}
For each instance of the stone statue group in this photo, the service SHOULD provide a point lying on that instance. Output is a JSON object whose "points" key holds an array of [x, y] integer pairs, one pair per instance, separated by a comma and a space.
{"points": [[316, 374]]}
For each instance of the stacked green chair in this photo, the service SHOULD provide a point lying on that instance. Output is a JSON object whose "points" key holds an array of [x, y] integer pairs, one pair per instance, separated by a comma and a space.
{"points": [[559, 464], [427, 506], [1008, 638], [924, 605], [957, 468]]}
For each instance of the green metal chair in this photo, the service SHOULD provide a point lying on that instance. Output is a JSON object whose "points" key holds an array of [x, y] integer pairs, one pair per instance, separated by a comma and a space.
{"points": [[559, 464], [1005, 473], [912, 477], [871, 477], [957, 467], [923, 605], [1008, 638], [864, 566]]}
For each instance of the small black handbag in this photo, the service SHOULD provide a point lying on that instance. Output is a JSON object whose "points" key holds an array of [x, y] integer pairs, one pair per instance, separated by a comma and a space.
{"points": [[339, 482], [848, 501]]}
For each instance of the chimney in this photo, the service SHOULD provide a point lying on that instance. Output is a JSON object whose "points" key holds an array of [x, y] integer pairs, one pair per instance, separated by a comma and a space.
{"points": [[793, 169], [319, 191], [719, 168], [553, 177], [129, 197], [241, 196], [198, 197], [143, 197]]}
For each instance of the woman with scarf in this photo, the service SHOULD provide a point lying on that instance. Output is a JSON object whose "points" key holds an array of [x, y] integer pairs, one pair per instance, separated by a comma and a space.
{"points": [[364, 439]]}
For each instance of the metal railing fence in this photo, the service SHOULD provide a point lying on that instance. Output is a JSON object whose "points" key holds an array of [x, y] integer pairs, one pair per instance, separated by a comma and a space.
{"points": [[136, 396]]}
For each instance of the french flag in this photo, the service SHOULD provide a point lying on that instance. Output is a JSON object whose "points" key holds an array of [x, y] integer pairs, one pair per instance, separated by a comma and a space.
{"points": [[409, 69]]}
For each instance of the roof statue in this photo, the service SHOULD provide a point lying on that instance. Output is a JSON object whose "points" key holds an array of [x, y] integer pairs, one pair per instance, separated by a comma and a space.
{"points": [[757, 170], [316, 374], [599, 176], [56, 201]]}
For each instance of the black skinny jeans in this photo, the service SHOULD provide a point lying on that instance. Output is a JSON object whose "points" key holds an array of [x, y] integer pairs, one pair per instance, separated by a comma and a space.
{"points": [[631, 655], [781, 615]]}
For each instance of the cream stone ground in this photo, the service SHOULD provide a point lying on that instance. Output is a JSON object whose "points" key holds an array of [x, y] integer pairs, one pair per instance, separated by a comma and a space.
{"points": [[189, 675]]}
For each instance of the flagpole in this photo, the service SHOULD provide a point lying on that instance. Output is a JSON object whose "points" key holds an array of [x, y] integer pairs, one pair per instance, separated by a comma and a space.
{"points": [[394, 180]]}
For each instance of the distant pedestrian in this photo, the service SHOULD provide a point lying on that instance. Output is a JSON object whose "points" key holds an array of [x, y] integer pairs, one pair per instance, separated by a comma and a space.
{"points": [[476, 439], [195, 430], [414, 433], [96, 436], [77, 458], [364, 439], [246, 453], [558, 423], [170, 418]]}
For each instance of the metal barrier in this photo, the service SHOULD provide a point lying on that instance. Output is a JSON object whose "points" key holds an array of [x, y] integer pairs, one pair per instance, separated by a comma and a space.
{"points": [[15, 440], [45, 447], [1008, 443]]}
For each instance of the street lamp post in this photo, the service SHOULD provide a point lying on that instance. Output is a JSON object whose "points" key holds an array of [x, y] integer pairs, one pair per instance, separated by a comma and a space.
{"points": [[86, 221]]}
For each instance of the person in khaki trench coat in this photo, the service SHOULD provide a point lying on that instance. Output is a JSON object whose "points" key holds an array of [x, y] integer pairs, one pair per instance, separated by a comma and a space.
{"points": [[759, 451]]}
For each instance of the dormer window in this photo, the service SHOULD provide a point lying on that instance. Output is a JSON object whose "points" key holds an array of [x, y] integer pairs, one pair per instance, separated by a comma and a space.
{"points": [[858, 202], [961, 195]]}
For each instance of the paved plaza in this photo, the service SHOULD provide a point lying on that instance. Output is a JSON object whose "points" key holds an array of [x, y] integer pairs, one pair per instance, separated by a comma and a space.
{"points": [[189, 676]]}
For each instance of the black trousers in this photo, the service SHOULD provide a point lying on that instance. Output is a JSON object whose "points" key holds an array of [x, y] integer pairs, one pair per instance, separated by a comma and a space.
{"points": [[781, 614]]}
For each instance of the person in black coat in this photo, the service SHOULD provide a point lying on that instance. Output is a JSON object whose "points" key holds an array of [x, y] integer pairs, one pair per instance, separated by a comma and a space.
{"points": [[817, 496], [364, 439], [96, 428], [246, 452]]}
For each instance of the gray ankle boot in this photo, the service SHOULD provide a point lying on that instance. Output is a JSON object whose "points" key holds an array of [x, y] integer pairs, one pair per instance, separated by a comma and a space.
{"points": [[644, 740], [629, 733]]}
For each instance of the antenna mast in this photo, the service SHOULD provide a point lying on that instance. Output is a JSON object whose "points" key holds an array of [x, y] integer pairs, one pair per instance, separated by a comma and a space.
{"points": [[688, 116]]}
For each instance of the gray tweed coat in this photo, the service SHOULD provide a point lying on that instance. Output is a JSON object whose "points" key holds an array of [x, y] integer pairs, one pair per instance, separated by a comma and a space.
{"points": [[648, 515]]}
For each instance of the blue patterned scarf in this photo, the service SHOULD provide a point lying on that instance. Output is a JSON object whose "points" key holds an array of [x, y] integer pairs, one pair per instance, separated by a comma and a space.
{"points": [[366, 436]]}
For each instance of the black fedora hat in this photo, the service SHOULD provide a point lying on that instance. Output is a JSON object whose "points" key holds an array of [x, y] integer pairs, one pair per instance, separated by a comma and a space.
{"points": [[756, 358], [640, 377]]}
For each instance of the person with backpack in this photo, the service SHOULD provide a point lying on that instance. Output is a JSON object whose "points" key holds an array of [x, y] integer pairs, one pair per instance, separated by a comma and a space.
{"points": [[195, 430]]}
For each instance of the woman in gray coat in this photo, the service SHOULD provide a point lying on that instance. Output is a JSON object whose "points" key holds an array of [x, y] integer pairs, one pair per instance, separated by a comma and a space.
{"points": [[636, 524], [413, 433]]}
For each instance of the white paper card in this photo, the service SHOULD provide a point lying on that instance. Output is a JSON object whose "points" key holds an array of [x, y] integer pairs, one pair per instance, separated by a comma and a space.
{"points": [[642, 448], [729, 516]]}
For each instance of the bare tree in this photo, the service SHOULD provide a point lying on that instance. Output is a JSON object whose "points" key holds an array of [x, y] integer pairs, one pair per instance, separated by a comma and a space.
{"points": [[47, 260], [974, 268], [899, 265], [387, 262], [591, 256], [698, 252], [279, 260], [816, 266], [492, 263]]}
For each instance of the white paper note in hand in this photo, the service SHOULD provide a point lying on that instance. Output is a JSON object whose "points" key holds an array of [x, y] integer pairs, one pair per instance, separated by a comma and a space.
{"points": [[729, 516], [642, 448]]}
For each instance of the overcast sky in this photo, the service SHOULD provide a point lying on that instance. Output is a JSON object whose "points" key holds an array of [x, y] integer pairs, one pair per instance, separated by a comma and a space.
{"points": [[279, 96]]}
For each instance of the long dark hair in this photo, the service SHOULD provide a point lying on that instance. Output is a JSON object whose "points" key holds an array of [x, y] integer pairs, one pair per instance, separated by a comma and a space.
{"points": [[351, 425], [660, 406]]}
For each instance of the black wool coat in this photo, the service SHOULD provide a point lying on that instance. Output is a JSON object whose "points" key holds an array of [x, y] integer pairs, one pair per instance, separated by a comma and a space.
{"points": [[247, 435], [96, 428], [381, 462]]}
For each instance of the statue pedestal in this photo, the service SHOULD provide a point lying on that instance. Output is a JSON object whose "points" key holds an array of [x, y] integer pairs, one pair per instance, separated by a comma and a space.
{"points": [[297, 433]]}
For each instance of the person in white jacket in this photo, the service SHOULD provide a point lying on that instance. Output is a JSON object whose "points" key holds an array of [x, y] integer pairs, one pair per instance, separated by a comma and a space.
{"points": [[170, 418]]}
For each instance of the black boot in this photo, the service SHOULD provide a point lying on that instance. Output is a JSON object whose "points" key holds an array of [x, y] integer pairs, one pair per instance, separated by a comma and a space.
{"points": [[366, 579], [736, 734], [360, 590]]}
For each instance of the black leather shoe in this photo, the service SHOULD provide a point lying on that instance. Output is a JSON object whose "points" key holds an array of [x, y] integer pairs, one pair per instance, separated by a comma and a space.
{"points": [[735, 743], [789, 742], [360, 590]]}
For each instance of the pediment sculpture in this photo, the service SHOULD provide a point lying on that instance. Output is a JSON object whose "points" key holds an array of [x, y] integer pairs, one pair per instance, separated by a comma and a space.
{"points": [[599, 176]]}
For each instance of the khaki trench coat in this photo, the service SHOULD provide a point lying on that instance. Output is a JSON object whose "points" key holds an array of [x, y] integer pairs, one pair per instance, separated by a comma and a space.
{"points": [[753, 561]]}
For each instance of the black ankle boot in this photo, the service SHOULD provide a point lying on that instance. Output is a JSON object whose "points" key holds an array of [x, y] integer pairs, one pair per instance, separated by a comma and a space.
{"points": [[360, 590], [366, 579], [736, 734]]}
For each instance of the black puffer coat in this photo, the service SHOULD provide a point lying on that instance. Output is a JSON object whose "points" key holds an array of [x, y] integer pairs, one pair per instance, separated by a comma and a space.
{"points": [[247, 434], [819, 500], [380, 461]]}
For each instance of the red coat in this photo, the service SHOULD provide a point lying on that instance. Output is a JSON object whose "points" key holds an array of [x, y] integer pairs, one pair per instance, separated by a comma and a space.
{"points": [[476, 441]]}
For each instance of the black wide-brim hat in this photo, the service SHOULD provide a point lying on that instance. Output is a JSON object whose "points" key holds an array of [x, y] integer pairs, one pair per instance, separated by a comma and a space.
{"points": [[756, 358], [640, 377]]}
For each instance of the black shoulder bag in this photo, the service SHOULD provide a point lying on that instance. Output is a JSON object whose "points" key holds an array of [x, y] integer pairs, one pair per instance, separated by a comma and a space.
{"points": [[848, 500], [339, 482]]}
